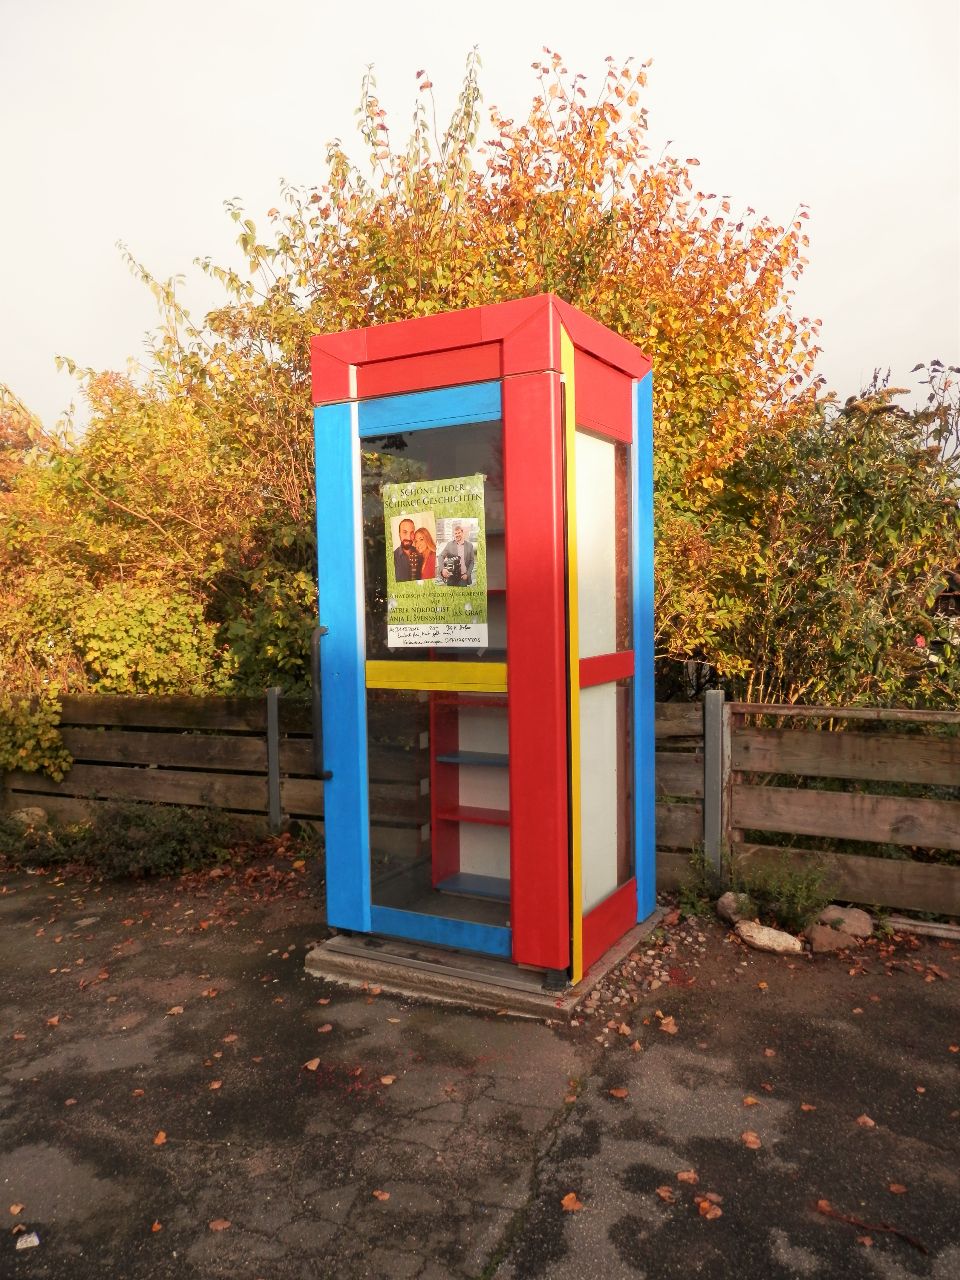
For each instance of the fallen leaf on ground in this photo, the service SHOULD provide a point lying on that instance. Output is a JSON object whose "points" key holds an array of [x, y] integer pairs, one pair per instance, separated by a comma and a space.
{"points": [[381, 1195], [636, 1046], [897, 1188], [210, 992], [762, 986], [807, 1106], [769, 1053], [230, 1039], [157, 1226], [393, 1019], [298, 865], [669, 1026], [766, 1087], [866, 1241], [70, 1102], [708, 1209], [570, 1203], [688, 1175], [137, 1093], [751, 1140], [571, 1097], [865, 1122], [17, 1208], [954, 1048], [666, 1195], [312, 1064], [215, 1084], [619, 1093], [624, 1030], [387, 1079], [921, 1088], [219, 1224], [327, 1026], [159, 1138], [324, 1000], [375, 991], [54, 1021], [751, 1101], [177, 1008]]}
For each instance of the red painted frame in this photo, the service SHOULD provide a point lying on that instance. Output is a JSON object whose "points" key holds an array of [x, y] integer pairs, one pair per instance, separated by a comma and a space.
{"points": [[518, 342]]}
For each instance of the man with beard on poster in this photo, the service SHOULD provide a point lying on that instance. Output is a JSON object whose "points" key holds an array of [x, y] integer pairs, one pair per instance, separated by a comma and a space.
{"points": [[407, 560]]}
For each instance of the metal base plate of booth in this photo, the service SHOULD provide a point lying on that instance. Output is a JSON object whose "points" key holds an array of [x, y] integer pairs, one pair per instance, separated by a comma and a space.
{"points": [[423, 972]]}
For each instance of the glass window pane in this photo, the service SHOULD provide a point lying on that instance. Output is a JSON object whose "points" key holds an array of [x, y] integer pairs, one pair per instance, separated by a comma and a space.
{"points": [[440, 804], [425, 545]]}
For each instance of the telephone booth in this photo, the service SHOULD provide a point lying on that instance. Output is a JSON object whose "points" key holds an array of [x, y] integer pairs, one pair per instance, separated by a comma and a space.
{"points": [[485, 557]]}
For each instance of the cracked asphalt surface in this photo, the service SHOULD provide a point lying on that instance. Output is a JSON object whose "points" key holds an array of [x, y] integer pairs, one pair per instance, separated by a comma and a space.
{"points": [[472, 1128]]}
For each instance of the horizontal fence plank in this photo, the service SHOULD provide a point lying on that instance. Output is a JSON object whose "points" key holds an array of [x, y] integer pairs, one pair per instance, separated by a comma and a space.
{"points": [[400, 802], [679, 774], [183, 750], [678, 719], [877, 757], [385, 764], [928, 824], [882, 882], [158, 786], [679, 826], [797, 710], [166, 713], [673, 869]]}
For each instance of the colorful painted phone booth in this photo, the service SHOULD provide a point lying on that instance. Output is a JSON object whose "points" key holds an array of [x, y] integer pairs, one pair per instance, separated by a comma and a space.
{"points": [[485, 556]]}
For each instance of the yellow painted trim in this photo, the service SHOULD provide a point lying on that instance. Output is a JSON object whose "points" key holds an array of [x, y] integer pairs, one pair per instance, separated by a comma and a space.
{"points": [[465, 677], [573, 641]]}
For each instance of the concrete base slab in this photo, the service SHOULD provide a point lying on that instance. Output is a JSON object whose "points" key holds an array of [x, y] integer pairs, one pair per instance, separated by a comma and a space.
{"points": [[455, 977]]}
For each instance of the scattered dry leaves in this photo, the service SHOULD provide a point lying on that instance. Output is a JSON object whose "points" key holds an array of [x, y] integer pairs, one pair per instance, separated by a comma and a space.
{"points": [[669, 1026], [688, 1175]]}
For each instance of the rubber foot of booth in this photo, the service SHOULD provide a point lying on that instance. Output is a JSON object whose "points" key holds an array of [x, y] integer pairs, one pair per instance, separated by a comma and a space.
{"points": [[421, 972]]}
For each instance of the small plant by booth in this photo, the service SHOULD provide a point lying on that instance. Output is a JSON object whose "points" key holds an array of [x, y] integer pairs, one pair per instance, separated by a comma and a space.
{"points": [[485, 557]]}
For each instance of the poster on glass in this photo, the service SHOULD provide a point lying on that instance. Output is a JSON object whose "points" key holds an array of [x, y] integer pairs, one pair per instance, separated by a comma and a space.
{"points": [[436, 563]]}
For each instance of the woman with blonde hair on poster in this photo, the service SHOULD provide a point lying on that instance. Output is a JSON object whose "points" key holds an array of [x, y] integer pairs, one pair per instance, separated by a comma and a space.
{"points": [[423, 541]]}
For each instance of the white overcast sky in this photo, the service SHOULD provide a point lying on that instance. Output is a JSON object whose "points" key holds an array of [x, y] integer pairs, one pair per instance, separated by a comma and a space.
{"points": [[134, 121]]}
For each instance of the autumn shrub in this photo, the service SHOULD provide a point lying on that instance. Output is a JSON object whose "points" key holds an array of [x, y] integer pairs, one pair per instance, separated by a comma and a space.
{"points": [[30, 738], [138, 840]]}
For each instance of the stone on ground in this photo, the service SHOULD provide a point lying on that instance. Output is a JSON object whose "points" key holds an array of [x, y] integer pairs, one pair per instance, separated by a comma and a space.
{"points": [[733, 907], [764, 939], [822, 938], [850, 919]]}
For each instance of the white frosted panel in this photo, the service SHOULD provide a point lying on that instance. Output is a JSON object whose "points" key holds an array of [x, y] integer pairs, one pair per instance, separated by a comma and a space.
{"points": [[482, 730], [598, 792], [485, 786], [485, 851], [597, 544]]}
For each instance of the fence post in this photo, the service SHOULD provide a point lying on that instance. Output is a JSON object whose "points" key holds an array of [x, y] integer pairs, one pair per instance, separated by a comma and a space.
{"points": [[273, 759], [716, 757]]}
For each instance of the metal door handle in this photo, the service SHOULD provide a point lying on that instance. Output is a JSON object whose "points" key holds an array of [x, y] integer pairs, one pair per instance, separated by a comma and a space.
{"points": [[317, 705]]}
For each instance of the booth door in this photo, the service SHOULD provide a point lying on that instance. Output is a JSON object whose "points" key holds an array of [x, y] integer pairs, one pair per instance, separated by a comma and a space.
{"points": [[418, 831]]}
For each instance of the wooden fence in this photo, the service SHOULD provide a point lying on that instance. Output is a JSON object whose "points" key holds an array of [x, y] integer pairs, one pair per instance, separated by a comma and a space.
{"points": [[726, 773], [848, 777]]}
